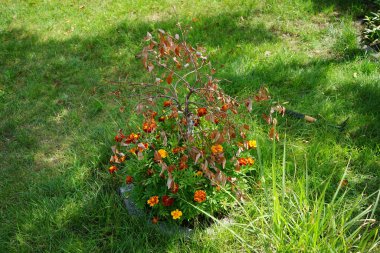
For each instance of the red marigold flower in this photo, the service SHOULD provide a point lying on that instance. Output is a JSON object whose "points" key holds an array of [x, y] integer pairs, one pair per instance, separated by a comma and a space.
{"points": [[119, 137], [167, 201], [175, 188], [217, 149], [183, 162], [216, 121], [155, 220], [183, 166], [202, 111], [154, 114], [162, 119], [178, 149], [168, 103], [112, 169], [171, 168], [152, 201], [199, 196], [129, 180], [242, 161]]}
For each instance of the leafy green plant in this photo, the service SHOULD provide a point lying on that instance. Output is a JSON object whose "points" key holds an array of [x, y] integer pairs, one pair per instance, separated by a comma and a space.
{"points": [[371, 33], [189, 145]]}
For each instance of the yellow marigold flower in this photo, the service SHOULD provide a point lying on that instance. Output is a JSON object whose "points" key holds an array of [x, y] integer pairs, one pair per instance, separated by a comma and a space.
{"points": [[153, 201], [176, 214], [163, 153], [199, 173], [199, 196], [252, 144], [217, 149]]}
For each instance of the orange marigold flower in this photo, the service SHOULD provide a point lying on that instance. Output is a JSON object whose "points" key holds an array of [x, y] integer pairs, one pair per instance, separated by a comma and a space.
{"points": [[216, 121], [129, 180], [200, 196], [202, 111], [217, 188], [122, 159], [246, 161], [168, 103], [252, 144], [112, 169], [133, 150], [132, 138], [163, 153], [250, 161], [225, 107], [152, 201], [176, 214], [167, 201], [199, 173], [149, 126], [217, 149]]}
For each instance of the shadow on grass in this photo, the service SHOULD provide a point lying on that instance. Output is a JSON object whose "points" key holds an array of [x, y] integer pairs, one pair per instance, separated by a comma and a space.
{"points": [[356, 7], [58, 109]]}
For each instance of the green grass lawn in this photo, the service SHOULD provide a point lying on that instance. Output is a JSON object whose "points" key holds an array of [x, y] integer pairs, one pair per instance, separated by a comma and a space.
{"points": [[61, 63]]}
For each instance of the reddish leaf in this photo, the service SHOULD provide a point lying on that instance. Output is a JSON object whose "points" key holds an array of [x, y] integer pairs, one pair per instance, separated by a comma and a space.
{"points": [[144, 57], [248, 104], [267, 118], [164, 138], [262, 95], [150, 67], [140, 156], [170, 181], [169, 79]]}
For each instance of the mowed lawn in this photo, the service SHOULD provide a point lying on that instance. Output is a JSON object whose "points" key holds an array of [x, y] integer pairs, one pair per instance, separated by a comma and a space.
{"points": [[63, 70]]}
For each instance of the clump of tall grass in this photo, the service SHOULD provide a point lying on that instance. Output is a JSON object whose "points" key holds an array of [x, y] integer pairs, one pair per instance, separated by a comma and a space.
{"points": [[293, 217]]}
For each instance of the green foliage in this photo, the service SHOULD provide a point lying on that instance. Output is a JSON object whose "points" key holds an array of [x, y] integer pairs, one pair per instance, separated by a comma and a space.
{"points": [[371, 33]]}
